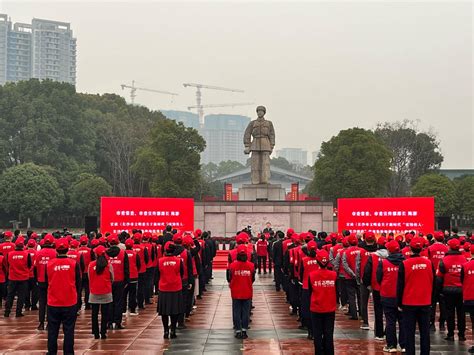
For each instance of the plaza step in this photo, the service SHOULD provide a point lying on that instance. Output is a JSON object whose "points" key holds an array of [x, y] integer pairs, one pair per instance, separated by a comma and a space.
{"points": [[220, 261]]}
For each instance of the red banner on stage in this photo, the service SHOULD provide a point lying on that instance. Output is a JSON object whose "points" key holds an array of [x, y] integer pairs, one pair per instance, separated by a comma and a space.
{"points": [[385, 215], [295, 190], [148, 214], [228, 192]]}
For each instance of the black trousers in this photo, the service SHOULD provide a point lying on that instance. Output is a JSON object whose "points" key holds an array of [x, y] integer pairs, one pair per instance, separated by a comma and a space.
{"points": [[104, 318], [67, 317], [32, 295], [130, 297], [241, 314], [149, 276], [438, 298], [43, 296], [413, 315], [116, 305], [352, 293], [323, 332], [141, 290], [260, 260], [85, 288], [189, 300], [341, 291], [19, 288], [278, 277], [3, 292], [270, 262], [378, 314], [166, 322], [392, 316], [202, 282], [454, 309], [184, 294]]}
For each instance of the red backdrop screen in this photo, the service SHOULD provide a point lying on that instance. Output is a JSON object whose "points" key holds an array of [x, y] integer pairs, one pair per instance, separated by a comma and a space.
{"points": [[385, 215], [152, 215]]}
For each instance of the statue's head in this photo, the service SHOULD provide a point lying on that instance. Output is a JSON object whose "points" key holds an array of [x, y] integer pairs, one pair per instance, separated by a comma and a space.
{"points": [[261, 110]]}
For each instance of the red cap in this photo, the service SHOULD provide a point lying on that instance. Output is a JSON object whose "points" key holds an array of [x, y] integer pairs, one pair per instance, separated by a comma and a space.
{"points": [[20, 241], [48, 239], [8, 234], [154, 238], [454, 244], [100, 250], [197, 233], [242, 249], [84, 240], [168, 246], [417, 243], [322, 257], [290, 232], [102, 240], [94, 243], [393, 246], [312, 245], [308, 237], [129, 243], [369, 237], [353, 239], [408, 237], [31, 243], [381, 241], [146, 235], [328, 240], [242, 238], [188, 240], [345, 241], [439, 236], [399, 238], [74, 244], [178, 238], [113, 239], [137, 236], [34, 235], [467, 246], [62, 244]]}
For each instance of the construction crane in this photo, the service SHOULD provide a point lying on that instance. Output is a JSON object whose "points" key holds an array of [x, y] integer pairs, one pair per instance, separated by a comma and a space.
{"points": [[133, 91], [200, 107]]}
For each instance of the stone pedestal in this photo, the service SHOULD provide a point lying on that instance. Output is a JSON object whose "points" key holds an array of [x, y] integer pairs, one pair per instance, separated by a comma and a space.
{"points": [[262, 192]]}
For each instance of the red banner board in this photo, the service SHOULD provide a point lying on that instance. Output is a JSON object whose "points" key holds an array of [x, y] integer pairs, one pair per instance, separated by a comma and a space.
{"points": [[148, 214], [228, 192], [295, 189], [385, 215]]}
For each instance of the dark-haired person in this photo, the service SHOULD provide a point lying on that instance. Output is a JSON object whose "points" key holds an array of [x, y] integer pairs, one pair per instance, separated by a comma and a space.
{"points": [[241, 275], [101, 277], [467, 280], [323, 302], [85, 252], [31, 301], [415, 287], [262, 254], [170, 300], [130, 293], [351, 261], [277, 257], [436, 252], [308, 265], [63, 277], [188, 277], [3, 278], [142, 254], [449, 280]]}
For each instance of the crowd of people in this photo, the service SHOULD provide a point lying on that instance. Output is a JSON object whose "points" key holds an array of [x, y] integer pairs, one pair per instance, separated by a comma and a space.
{"points": [[114, 275], [406, 277]]}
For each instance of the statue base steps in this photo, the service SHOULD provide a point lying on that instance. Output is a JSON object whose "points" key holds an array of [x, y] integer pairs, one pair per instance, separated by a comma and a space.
{"points": [[262, 192]]}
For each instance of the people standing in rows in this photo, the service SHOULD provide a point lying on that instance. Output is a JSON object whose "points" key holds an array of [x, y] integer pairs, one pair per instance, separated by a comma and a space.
{"points": [[31, 301], [309, 264], [436, 252], [262, 254], [130, 292], [85, 253], [467, 280]]}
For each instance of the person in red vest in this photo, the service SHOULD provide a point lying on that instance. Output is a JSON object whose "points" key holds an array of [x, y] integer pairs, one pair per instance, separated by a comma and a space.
{"points": [[7, 246], [118, 259], [240, 276], [467, 250], [150, 269], [262, 254], [142, 254], [415, 287], [31, 301], [387, 275], [3, 279], [323, 302], [335, 258], [449, 280], [193, 247], [170, 300], [46, 253], [368, 248], [309, 264], [63, 277], [101, 277], [85, 252], [351, 261], [467, 280], [130, 292], [19, 265], [188, 278], [436, 252]]}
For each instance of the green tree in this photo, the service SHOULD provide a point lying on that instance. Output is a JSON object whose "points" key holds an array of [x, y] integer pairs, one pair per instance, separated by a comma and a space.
{"points": [[441, 188], [352, 164], [85, 194], [465, 196], [281, 163], [414, 153], [28, 190], [170, 163]]}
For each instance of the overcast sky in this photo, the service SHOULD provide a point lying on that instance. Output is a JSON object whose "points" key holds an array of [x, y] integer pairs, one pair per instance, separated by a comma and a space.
{"points": [[318, 67]]}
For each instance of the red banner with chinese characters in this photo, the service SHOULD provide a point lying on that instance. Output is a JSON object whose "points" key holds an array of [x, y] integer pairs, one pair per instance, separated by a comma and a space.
{"points": [[295, 189], [148, 214], [228, 192], [386, 215]]}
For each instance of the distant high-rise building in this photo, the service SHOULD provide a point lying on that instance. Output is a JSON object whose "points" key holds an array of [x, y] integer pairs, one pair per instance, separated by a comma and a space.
{"points": [[296, 156], [189, 119], [43, 49], [224, 135], [314, 157]]}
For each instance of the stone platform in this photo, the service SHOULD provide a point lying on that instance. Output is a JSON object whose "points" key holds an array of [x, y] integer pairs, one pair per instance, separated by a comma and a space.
{"points": [[262, 192]]}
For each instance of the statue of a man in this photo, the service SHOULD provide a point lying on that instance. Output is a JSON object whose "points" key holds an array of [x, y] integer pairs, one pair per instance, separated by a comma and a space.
{"points": [[261, 146]]}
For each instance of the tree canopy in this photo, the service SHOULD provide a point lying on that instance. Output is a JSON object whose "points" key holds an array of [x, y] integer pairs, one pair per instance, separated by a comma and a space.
{"points": [[441, 188], [465, 196], [85, 194]]}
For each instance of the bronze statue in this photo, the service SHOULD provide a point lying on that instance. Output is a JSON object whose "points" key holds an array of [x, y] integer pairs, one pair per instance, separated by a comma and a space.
{"points": [[261, 146]]}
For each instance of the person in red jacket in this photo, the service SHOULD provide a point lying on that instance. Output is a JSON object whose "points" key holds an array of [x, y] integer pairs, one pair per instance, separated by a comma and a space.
{"points": [[467, 280], [85, 252], [387, 275], [130, 292], [19, 265], [3, 278], [47, 253], [142, 253], [170, 300], [309, 264], [31, 301], [351, 261], [7, 246], [322, 287], [262, 254], [415, 286], [449, 281], [64, 281], [240, 276], [101, 277]]}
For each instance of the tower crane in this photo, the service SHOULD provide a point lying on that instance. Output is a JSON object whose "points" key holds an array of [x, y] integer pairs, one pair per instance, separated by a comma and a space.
{"points": [[200, 107], [133, 91]]}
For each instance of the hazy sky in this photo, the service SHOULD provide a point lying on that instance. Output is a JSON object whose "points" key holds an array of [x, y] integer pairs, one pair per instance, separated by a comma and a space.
{"points": [[318, 67]]}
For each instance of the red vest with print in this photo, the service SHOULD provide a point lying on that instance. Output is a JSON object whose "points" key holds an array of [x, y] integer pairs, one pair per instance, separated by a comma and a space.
{"points": [[132, 263], [436, 253], [140, 250], [418, 281], [86, 255], [262, 248], [323, 293], [285, 244], [388, 287], [32, 253], [118, 265], [3, 277], [341, 270], [170, 274], [158, 254], [99, 284], [42, 257], [241, 280], [7, 247], [373, 279], [453, 265], [184, 257], [468, 284], [351, 255], [150, 249], [62, 290], [18, 265], [364, 258], [406, 252], [73, 254], [309, 265]]}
